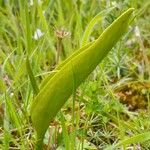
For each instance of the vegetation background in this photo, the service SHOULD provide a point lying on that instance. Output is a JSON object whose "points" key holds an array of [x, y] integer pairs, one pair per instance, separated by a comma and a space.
{"points": [[111, 108]]}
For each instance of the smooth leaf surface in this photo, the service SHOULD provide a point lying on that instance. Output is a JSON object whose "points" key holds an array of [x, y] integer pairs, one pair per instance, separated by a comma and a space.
{"points": [[72, 73], [44, 82]]}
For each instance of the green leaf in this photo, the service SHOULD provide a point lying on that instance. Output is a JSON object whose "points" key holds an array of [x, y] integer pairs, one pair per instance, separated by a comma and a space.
{"points": [[132, 140], [61, 85], [31, 77], [92, 23], [63, 63]]}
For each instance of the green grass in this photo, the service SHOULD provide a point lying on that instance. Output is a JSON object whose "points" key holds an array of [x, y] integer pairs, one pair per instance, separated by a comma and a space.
{"points": [[95, 118]]}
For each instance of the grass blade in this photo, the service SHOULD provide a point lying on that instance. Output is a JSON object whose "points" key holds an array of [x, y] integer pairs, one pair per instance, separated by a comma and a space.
{"points": [[92, 23], [132, 140], [31, 76]]}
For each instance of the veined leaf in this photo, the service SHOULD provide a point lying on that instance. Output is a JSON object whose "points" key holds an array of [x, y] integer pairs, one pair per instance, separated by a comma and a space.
{"points": [[71, 74]]}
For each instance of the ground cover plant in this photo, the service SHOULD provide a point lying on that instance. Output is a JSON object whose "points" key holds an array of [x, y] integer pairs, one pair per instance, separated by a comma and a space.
{"points": [[48, 48]]}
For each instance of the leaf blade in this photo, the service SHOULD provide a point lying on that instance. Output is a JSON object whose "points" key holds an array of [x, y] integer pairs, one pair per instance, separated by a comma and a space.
{"points": [[55, 92], [92, 23], [31, 77]]}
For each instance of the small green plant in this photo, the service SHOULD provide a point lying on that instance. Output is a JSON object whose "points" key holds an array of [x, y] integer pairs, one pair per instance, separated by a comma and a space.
{"points": [[63, 81]]}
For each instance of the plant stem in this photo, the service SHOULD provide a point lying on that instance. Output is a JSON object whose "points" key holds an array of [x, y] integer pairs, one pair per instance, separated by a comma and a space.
{"points": [[59, 48]]}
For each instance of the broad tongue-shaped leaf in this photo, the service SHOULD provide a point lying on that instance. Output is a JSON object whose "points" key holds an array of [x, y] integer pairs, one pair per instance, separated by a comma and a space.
{"points": [[72, 73]]}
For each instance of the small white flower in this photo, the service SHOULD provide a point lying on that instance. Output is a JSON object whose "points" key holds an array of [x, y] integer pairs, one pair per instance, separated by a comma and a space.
{"points": [[11, 94], [37, 34], [31, 2], [137, 31]]}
